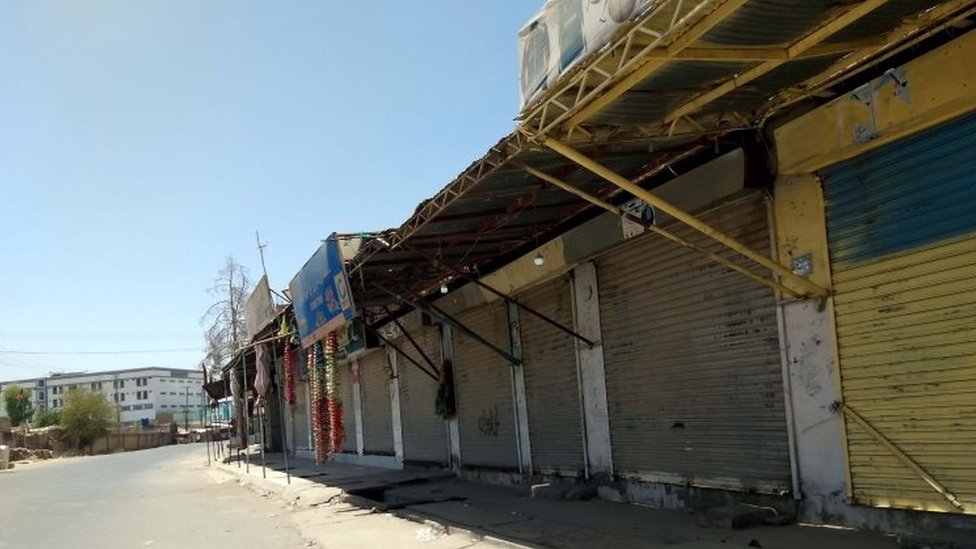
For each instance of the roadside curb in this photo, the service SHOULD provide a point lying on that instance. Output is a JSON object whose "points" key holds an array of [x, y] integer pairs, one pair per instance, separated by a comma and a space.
{"points": [[305, 494], [421, 518]]}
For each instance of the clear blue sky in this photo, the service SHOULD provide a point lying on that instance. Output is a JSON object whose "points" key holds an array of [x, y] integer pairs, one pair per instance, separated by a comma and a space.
{"points": [[143, 142]]}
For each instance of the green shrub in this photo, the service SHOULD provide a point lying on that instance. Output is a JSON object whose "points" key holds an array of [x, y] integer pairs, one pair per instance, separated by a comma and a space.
{"points": [[86, 416]]}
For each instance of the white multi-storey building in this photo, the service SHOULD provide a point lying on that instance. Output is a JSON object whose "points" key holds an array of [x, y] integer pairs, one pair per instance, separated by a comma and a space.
{"points": [[138, 393]]}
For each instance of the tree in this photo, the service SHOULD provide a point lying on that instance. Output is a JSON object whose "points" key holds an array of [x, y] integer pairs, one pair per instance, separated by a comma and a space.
{"points": [[17, 401], [225, 331], [86, 416], [46, 418]]}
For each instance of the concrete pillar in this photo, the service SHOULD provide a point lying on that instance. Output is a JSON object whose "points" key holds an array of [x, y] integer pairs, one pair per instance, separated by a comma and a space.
{"points": [[592, 378], [453, 428], [518, 392], [394, 387], [811, 350], [357, 407]]}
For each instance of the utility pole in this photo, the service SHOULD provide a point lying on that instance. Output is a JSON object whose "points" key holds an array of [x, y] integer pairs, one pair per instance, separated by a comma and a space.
{"points": [[261, 247]]}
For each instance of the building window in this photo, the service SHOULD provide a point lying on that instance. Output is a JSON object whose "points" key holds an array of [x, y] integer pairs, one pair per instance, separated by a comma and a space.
{"points": [[126, 408], [122, 397], [40, 395], [118, 384], [142, 395], [141, 382], [96, 386], [40, 382]]}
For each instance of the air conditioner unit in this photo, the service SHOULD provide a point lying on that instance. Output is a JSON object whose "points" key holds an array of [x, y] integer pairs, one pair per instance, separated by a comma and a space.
{"points": [[562, 33]]}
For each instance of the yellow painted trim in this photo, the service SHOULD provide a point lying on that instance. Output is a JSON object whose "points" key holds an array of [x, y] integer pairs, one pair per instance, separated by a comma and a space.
{"points": [[942, 86]]}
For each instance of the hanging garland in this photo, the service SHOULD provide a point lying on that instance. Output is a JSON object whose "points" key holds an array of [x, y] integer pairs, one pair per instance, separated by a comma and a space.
{"points": [[310, 375], [289, 373], [332, 391], [320, 407]]}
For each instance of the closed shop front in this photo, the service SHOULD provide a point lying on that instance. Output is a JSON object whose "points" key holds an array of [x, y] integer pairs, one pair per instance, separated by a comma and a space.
{"points": [[901, 226], [374, 386], [483, 380], [344, 378], [299, 412], [551, 381], [693, 368], [424, 432]]}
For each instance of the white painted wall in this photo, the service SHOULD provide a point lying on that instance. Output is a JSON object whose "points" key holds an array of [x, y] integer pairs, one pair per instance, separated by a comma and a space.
{"points": [[592, 377]]}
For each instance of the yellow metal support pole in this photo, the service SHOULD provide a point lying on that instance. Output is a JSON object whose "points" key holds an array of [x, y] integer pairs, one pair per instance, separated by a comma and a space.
{"points": [[804, 286], [663, 232], [902, 456]]}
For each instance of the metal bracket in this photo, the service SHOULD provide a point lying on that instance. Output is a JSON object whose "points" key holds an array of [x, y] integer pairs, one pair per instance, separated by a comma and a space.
{"points": [[434, 311]]}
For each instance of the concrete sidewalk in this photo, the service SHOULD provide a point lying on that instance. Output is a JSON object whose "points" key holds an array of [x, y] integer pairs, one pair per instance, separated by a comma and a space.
{"points": [[510, 516]]}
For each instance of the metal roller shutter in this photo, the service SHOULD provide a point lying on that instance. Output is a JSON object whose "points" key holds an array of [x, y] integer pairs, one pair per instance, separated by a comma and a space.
{"points": [[551, 381], [302, 427], [901, 224], [694, 375], [344, 371], [483, 379], [424, 432], [377, 412]]}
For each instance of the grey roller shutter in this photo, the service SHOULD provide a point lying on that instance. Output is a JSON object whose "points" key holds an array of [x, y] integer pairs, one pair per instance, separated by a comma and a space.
{"points": [[551, 381], [377, 414], [424, 432], [483, 380], [694, 378], [344, 378]]}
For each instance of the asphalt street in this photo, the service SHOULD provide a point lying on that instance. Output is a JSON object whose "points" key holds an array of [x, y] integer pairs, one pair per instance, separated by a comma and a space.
{"points": [[157, 498]]}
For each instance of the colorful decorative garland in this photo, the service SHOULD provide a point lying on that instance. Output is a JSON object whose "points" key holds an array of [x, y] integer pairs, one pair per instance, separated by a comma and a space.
{"points": [[333, 396], [320, 408], [290, 374]]}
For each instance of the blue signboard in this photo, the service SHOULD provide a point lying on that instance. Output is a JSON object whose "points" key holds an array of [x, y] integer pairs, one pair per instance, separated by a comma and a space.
{"points": [[321, 295]]}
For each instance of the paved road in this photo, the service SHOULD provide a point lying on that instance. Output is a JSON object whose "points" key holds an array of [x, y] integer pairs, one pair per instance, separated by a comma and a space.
{"points": [[157, 498]]}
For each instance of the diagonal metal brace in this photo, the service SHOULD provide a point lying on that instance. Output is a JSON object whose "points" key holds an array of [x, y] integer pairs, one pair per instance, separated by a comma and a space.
{"points": [[904, 458], [650, 226], [434, 311], [410, 338], [399, 350], [804, 286], [509, 299]]}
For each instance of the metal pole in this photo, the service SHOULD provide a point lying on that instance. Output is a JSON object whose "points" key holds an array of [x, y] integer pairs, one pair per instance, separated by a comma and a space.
{"points": [[282, 402], [261, 418], [206, 427], [622, 182], [246, 443]]}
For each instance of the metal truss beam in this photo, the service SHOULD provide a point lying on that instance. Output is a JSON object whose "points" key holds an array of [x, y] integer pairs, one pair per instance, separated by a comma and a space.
{"points": [[801, 285], [592, 81], [795, 50], [648, 64], [764, 280], [499, 155], [436, 312], [939, 18], [720, 53]]}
